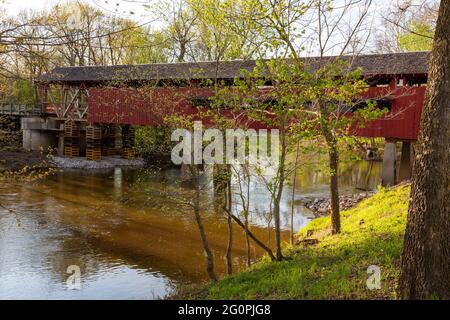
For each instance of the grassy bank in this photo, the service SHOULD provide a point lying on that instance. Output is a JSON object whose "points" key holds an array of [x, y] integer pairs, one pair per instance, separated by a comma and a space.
{"points": [[336, 267]]}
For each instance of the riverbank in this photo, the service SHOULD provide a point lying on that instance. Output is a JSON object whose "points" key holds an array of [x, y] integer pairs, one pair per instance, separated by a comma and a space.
{"points": [[104, 163], [334, 267], [322, 207], [18, 159]]}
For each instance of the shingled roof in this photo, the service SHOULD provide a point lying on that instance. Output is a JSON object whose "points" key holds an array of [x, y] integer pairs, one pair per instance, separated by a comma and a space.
{"points": [[376, 64]]}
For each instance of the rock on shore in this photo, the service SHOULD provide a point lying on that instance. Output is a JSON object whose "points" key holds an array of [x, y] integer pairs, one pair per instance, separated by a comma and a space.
{"points": [[321, 206], [104, 163]]}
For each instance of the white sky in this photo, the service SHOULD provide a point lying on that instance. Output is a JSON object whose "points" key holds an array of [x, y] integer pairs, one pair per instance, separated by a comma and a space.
{"points": [[143, 15], [122, 9], [119, 7]]}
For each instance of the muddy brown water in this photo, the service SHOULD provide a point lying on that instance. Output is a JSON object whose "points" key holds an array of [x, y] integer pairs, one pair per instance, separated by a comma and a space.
{"points": [[128, 242]]}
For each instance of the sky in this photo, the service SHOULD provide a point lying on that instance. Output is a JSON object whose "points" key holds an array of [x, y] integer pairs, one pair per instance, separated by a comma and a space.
{"points": [[135, 10], [119, 7]]}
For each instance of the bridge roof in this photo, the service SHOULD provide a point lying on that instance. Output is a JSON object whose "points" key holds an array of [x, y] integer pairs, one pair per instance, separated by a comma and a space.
{"points": [[375, 64]]}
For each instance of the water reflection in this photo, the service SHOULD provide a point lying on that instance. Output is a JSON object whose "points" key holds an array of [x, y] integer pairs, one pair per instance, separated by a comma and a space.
{"points": [[126, 246]]}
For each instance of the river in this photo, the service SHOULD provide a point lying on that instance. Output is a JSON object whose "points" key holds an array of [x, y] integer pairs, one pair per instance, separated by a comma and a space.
{"points": [[128, 242]]}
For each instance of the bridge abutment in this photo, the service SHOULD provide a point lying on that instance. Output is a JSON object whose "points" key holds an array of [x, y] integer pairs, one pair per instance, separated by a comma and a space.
{"points": [[39, 133], [394, 171], [405, 161], [388, 175]]}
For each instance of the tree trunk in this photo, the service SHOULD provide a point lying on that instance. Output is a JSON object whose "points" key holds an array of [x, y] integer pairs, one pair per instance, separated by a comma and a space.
{"points": [[251, 235], [245, 207], [222, 186], [230, 227], [198, 219], [279, 191], [247, 243], [425, 266], [294, 184], [182, 52], [276, 218], [334, 189], [333, 158], [247, 212], [333, 164]]}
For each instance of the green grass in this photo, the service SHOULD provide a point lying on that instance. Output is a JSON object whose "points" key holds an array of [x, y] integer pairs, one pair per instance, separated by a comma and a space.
{"points": [[335, 268]]}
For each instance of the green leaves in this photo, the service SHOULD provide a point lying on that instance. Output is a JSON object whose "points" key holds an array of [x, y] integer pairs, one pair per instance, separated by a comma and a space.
{"points": [[419, 37]]}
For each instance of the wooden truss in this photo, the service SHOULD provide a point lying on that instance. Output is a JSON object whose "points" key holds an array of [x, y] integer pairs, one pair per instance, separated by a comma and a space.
{"points": [[72, 104]]}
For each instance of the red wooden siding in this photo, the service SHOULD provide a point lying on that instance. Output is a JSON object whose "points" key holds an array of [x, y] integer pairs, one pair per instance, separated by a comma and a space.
{"points": [[403, 121], [140, 107], [149, 107]]}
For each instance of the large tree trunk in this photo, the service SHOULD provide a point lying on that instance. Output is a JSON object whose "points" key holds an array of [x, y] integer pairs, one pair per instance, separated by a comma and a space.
{"points": [[425, 266]]}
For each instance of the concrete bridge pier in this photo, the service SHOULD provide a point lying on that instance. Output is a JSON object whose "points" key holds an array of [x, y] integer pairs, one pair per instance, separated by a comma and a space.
{"points": [[39, 133], [405, 162], [390, 175], [60, 150]]}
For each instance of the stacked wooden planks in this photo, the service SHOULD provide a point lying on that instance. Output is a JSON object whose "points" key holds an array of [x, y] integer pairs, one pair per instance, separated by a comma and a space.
{"points": [[93, 142], [72, 138]]}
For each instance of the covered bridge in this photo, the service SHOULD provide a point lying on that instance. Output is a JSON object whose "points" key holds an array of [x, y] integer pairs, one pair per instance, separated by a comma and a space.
{"points": [[112, 95]]}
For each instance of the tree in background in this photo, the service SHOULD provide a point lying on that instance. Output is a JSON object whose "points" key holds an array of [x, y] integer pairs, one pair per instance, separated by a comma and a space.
{"points": [[425, 266], [179, 30], [203, 30], [408, 26], [320, 89], [418, 38], [310, 95], [70, 34]]}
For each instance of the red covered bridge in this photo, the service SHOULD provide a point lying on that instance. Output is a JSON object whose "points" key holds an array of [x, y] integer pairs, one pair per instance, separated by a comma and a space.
{"points": [[111, 94], [114, 94]]}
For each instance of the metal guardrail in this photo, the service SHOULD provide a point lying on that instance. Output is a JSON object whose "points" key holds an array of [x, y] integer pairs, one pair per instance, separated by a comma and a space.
{"points": [[20, 109]]}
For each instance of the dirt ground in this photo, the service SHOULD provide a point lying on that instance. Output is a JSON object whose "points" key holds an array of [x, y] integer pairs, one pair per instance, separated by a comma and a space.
{"points": [[16, 160]]}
